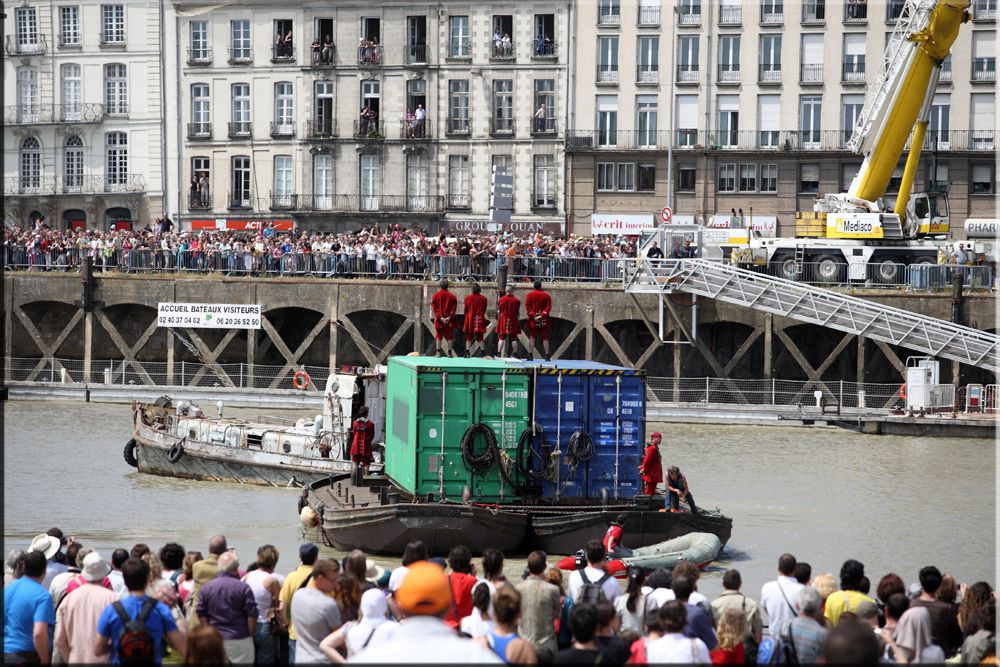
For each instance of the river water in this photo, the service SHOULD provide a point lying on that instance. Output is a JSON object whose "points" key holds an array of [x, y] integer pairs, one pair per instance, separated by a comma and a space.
{"points": [[894, 503]]}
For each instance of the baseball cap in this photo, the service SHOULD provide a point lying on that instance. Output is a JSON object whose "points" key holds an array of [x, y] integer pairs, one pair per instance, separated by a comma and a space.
{"points": [[655, 434], [308, 550], [424, 591]]}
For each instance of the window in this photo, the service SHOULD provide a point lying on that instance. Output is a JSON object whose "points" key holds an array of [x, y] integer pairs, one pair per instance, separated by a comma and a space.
{"points": [[768, 118], [626, 176], [608, 12], [730, 12], [284, 33], [323, 181], [729, 120], [112, 24], [770, 58], [31, 165], [649, 12], [813, 11], [201, 169], [727, 177], [371, 96], [239, 48], [812, 58], [620, 176], [810, 112], [27, 94], [690, 12], [545, 99], [649, 60], [116, 169], [503, 106], [416, 182], [748, 178], [200, 50], [984, 56], [72, 96], [240, 109], [503, 33], [937, 177], [284, 108], [458, 181], [982, 179], [982, 107], [940, 122], [848, 171], [686, 177], [458, 30], [416, 39], [73, 163], [645, 122], [240, 195], [26, 25], [729, 59], [607, 60], [607, 120], [647, 178], [458, 106], [687, 49], [809, 178], [115, 90], [282, 182], [687, 120], [416, 94], [69, 26], [771, 12], [851, 111], [606, 180], [768, 178], [323, 111], [854, 58], [544, 191], [201, 110], [545, 34], [505, 161]]}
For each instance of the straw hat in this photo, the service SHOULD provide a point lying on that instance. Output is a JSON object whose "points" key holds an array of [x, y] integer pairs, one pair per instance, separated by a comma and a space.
{"points": [[373, 571], [47, 544]]}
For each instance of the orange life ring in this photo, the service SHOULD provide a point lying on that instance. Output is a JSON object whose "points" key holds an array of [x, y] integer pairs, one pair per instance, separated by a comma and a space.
{"points": [[300, 380], [902, 391]]}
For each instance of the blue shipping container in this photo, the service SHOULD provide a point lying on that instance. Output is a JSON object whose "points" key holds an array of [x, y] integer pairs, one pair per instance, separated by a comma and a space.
{"points": [[608, 404]]}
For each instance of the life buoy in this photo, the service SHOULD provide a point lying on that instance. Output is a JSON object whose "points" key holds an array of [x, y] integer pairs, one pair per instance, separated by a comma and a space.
{"points": [[175, 453], [902, 391], [301, 380], [129, 453]]}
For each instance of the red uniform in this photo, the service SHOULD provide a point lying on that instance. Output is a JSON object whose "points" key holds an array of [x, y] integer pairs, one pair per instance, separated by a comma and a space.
{"points": [[509, 317], [652, 469], [443, 305], [363, 432], [474, 323], [612, 538], [538, 304]]}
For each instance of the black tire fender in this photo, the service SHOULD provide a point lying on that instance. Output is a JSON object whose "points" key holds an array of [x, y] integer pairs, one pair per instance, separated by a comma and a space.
{"points": [[175, 453], [130, 453]]}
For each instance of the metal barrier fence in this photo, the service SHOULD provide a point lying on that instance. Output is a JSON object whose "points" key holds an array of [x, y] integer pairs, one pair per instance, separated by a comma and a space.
{"points": [[888, 274], [773, 392]]}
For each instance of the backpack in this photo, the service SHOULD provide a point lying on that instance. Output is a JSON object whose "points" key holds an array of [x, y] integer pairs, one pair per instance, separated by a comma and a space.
{"points": [[592, 592], [135, 645]]}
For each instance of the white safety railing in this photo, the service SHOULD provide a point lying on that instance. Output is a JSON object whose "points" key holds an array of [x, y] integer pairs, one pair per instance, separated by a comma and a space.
{"points": [[773, 392]]}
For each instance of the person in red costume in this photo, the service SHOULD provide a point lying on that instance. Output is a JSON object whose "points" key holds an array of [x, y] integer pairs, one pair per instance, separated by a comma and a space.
{"points": [[443, 306], [474, 321], [651, 469], [508, 322], [362, 434], [538, 305]]}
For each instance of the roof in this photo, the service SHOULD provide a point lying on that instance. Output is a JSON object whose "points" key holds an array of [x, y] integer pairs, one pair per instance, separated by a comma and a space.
{"points": [[577, 367]]}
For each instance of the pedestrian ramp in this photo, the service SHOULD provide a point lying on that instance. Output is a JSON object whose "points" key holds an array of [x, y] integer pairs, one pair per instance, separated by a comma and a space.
{"points": [[814, 305]]}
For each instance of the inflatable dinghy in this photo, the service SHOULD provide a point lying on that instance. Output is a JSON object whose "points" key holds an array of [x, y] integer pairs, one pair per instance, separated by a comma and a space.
{"points": [[698, 548]]}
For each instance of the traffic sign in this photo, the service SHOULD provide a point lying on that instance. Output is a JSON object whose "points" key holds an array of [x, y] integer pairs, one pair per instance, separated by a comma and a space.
{"points": [[666, 214]]}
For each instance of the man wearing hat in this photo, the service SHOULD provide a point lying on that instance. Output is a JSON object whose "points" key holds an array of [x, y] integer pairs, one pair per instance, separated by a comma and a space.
{"points": [[78, 614], [49, 546], [651, 469], [424, 597], [27, 614]]}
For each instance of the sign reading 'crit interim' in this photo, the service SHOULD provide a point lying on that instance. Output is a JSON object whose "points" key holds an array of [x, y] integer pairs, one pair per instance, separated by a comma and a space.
{"points": [[209, 315]]}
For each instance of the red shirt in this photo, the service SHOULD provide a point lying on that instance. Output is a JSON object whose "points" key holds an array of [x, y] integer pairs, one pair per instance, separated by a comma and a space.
{"points": [[612, 538], [443, 305], [461, 589], [361, 442], [732, 656], [509, 311], [474, 307], [537, 302], [652, 468]]}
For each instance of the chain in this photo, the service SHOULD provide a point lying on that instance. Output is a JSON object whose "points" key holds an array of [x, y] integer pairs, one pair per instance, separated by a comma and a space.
{"points": [[190, 346]]}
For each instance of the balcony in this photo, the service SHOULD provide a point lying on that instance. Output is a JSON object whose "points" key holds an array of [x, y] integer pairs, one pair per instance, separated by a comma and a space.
{"points": [[283, 53], [116, 109], [814, 12], [73, 185], [199, 131], [811, 74], [856, 12], [415, 54], [460, 202], [124, 183], [688, 139], [894, 10], [112, 38], [730, 15], [241, 200], [240, 129], [609, 16], [542, 50], [370, 56], [544, 199], [322, 128], [457, 126], [607, 77], [984, 70], [284, 202], [984, 10], [199, 57], [649, 16], [729, 74], [199, 201], [415, 130], [616, 140], [369, 130], [541, 127], [689, 16], [240, 55], [853, 73], [647, 75], [42, 114], [24, 47], [501, 127], [501, 52], [772, 14], [687, 74], [945, 76], [769, 74], [957, 140], [323, 56], [69, 40], [282, 130], [388, 203]]}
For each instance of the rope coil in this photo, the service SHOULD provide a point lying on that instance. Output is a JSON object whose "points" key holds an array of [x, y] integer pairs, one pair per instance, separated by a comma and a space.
{"points": [[580, 449]]}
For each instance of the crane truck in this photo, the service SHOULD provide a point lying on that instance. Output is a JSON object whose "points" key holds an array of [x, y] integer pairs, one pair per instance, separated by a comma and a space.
{"points": [[853, 234]]}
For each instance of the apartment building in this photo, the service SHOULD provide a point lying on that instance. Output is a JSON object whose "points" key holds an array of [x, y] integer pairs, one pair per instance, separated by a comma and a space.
{"points": [[83, 131], [355, 113], [755, 103]]}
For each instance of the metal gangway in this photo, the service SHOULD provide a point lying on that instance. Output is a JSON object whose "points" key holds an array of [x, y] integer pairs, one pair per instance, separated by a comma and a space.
{"points": [[814, 305]]}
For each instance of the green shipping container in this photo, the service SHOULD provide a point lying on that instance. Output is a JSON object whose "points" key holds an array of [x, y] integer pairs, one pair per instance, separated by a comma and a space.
{"points": [[424, 434]]}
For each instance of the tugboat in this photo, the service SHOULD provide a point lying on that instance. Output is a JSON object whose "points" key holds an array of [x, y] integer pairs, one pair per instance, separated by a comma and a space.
{"points": [[177, 439]]}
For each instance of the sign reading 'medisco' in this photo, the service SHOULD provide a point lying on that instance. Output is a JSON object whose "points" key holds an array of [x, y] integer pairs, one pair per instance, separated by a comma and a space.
{"points": [[628, 225], [209, 315]]}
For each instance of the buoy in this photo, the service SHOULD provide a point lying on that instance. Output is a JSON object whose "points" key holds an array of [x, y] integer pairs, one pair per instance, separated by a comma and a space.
{"points": [[300, 380], [902, 391], [308, 517]]}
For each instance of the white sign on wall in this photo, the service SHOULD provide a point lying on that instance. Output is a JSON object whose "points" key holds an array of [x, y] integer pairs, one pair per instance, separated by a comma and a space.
{"points": [[630, 225], [761, 223], [209, 315]]}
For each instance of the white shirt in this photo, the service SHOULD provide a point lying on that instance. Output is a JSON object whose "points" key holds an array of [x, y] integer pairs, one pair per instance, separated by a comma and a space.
{"points": [[425, 639], [676, 648], [778, 598], [475, 626], [396, 578], [662, 596], [362, 635], [118, 583], [612, 589]]}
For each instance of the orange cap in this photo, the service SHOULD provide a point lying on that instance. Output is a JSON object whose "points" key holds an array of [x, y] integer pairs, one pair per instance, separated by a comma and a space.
{"points": [[424, 590]]}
